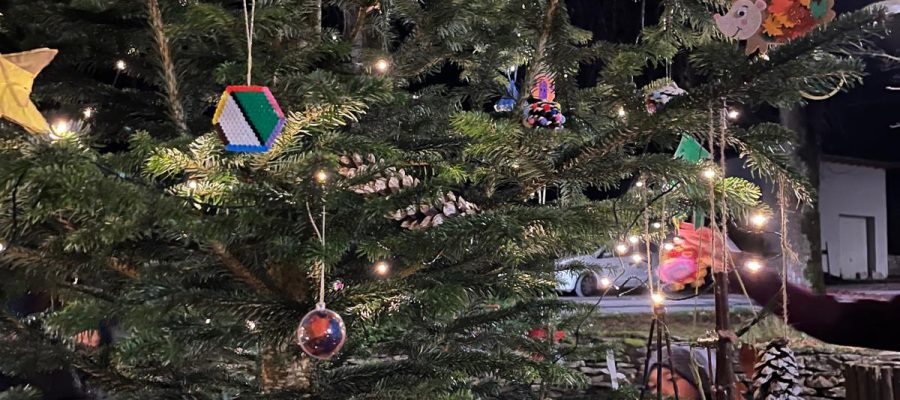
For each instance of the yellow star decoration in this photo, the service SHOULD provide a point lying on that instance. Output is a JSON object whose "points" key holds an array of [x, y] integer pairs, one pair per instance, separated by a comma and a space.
{"points": [[17, 73]]}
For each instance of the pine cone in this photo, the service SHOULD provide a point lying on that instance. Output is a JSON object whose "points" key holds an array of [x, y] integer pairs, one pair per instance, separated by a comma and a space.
{"points": [[390, 180], [427, 215], [385, 182], [777, 374]]}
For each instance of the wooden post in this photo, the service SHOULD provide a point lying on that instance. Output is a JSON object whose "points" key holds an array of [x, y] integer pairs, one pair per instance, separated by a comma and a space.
{"points": [[873, 380], [724, 365]]}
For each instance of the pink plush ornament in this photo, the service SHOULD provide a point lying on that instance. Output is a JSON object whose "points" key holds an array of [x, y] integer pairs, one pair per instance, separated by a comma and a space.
{"points": [[678, 270]]}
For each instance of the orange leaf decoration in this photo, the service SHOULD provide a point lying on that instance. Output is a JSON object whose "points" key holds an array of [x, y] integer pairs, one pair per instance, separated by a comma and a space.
{"points": [[780, 6], [772, 26]]}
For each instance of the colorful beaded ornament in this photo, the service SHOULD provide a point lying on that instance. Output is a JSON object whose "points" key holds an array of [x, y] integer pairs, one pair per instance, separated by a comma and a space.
{"points": [[248, 119]]}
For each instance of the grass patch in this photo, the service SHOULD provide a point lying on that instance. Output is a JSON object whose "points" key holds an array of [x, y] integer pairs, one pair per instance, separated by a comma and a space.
{"points": [[632, 329]]}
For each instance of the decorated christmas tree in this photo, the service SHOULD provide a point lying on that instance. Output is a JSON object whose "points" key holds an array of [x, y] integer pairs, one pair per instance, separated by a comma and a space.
{"points": [[400, 176]]}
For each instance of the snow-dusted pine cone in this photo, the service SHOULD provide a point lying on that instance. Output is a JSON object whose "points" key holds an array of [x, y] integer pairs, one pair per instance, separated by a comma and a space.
{"points": [[777, 374], [388, 181], [428, 215]]}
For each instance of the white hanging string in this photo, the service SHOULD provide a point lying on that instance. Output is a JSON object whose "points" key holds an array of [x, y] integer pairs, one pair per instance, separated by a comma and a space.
{"points": [[785, 253], [727, 260], [249, 19], [320, 264]]}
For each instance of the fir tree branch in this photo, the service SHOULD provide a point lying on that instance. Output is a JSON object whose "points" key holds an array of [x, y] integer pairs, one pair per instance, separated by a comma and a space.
{"points": [[236, 267], [361, 13], [540, 51], [88, 290], [123, 268]]}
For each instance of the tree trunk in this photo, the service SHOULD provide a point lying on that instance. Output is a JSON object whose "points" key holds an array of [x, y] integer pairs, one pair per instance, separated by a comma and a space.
{"points": [[804, 233], [279, 370], [873, 380]]}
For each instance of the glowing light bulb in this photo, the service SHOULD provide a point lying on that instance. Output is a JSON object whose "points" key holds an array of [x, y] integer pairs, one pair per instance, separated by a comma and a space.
{"points": [[2, 246], [605, 282], [88, 112], [192, 184], [656, 225], [121, 65], [759, 220], [634, 239], [668, 246], [251, 325], [382, 268], [207, 321], [61, 126], [764, 57], [321, 177], [709, 173], [753, 265], [658, 299], [733, 114], [621, 248], [637, 258], [621, 112], [639, 184], [382, 65]]}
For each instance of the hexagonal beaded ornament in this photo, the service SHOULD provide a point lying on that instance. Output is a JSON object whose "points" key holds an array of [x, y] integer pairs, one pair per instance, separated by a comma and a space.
{"points": [[248, 119]]}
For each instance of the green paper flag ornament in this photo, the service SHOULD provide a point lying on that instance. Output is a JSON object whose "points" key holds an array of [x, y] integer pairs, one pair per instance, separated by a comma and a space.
{"points": [[689, 150]]}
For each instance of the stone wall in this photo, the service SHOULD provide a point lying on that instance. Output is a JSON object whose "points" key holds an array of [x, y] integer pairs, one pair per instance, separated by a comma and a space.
{"points": [[822, 371]]}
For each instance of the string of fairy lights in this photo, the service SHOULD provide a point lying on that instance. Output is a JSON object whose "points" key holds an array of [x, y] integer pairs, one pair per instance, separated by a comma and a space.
{"points": [[629, 247], [63, 127]]}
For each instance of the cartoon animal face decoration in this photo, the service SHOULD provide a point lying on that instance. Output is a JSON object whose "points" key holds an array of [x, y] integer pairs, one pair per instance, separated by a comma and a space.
{"points": [[763, 23], [743, 20]]}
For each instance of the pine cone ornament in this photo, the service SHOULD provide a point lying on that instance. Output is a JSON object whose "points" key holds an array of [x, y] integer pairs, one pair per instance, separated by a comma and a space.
{"points": [[777, 374], [427, 215], [390, 180], [385, 182]]}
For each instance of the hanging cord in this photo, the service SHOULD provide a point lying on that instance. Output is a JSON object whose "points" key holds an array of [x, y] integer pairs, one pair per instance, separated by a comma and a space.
{"points": [[540, 50], [723, 128], [320, 233], [785, 253], [664, 225], [828, 95], [249, 20], [727, 260], [646, 235], [712, 186], [695, 370], [643, 22], [170, 76]]}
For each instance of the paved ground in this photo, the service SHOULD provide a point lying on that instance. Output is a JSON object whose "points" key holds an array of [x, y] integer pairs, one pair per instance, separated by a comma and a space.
{"points": [[641, 303], [637, 304]]}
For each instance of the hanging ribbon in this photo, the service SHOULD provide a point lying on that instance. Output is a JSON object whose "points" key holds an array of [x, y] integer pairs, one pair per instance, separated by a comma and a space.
{"points": [[249, 20]]}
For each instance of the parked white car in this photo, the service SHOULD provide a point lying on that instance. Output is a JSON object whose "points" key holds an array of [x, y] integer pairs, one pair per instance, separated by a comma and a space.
{"points": [[590, 275]]}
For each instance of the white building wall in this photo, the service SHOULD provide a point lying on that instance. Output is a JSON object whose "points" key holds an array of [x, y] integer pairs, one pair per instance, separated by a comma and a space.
{"points": [[854, 191]]}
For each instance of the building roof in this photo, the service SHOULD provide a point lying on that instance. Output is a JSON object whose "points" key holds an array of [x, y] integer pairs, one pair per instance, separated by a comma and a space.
{"points": [[859, 162]]}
